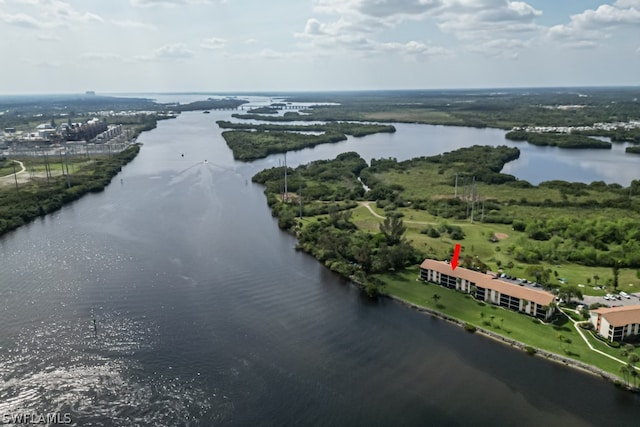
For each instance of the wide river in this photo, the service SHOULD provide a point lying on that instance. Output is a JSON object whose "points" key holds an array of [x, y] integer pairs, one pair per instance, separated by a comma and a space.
{"points": [[206, 315]]}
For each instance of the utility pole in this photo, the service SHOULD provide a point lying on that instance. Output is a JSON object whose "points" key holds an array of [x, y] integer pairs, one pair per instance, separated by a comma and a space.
{"points": [[284, 198], [473, 186], [66, 158], [63, 174], [300, 198], [455, 193], [15, 176]]}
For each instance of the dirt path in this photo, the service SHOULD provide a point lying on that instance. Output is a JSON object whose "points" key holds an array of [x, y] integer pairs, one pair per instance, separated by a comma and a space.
{"points": [[374, 213], [367, 205], [7, 179]]}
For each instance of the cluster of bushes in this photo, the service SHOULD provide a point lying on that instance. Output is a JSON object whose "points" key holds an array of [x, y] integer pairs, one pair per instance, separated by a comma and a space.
{"points": [[322, 180], [455, 232], [338, 243]]}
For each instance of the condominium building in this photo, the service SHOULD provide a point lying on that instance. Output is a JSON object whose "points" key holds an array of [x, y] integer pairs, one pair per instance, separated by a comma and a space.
{"points": [[489, 288], [616, 323]]}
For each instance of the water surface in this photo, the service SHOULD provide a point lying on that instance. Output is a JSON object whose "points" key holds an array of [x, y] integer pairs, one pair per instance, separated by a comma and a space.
{"points": [[206, 315]]}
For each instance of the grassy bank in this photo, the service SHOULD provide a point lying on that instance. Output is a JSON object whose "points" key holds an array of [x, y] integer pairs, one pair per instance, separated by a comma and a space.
{"points": [[41, 196], [559, 337]]}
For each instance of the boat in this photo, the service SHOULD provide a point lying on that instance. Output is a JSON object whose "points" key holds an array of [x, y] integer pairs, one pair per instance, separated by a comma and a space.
{"points": [[206, 112]]}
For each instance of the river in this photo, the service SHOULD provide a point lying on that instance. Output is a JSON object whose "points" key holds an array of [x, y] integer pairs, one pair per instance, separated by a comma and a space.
{"points": [[206, 315]]}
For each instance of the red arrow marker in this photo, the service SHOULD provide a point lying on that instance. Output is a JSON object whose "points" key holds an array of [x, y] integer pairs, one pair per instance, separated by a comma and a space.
{"points": [[456, 254]]}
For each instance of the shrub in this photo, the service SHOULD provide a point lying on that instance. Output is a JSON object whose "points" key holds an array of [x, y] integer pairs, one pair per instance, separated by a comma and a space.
{"points": [[469, 327], [530, 350]]}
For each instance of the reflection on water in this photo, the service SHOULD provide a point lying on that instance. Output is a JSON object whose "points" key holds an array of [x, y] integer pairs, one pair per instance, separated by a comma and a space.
{"points": [[67, 367]]}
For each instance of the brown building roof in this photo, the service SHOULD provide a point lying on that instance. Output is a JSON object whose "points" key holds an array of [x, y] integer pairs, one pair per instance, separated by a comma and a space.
{"points": [[620, 316], [488, 281]]}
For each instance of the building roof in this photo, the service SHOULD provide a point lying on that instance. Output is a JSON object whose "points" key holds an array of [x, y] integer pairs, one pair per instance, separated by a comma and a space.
{"points": [[488, 281], [620, 316]]}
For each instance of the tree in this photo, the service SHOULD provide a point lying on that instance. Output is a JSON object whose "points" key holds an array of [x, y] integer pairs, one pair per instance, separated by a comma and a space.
{"points": [[393, 229], [362, 253], [615, 268], [625, 371], [595, 279], [539, 272], [568, 292]]}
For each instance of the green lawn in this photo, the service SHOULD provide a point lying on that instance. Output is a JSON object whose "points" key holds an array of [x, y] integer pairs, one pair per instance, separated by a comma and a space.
{"points": [[510, 324]]}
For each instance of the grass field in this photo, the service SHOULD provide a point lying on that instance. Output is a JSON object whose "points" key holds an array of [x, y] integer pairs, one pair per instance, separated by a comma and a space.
{"points": [[476, 242], [510, 324]]}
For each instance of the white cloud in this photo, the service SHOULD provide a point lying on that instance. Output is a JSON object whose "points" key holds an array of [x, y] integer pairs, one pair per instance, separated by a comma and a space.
{"points": [[628, 3], [21, 20], [52, 14], [134, 25], [213, 43], [250, 41], [586, 29], [99, 56], [169, 52], [169, 3], [48, 37], [477, 22]]}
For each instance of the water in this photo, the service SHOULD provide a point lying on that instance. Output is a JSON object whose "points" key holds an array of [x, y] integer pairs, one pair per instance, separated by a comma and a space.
{"points": [[206, 315]]}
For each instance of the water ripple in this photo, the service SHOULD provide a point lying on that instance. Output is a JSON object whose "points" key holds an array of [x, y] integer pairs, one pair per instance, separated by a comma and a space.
{"points": [[65, 366]]}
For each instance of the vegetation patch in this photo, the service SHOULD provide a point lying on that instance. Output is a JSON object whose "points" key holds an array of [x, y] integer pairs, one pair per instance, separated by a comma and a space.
{"points": [[251, 142], [561, 140], [43, 196]]}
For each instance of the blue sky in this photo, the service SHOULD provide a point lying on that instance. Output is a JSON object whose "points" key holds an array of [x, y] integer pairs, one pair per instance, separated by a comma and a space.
{"points": [[56, 46]]}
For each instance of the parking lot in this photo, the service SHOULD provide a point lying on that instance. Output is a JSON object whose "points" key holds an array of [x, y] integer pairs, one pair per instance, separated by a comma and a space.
{"points": [[634, 299]]}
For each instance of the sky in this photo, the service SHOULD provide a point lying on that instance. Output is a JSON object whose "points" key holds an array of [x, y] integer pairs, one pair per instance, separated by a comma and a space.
{"points": [[110, 46]]}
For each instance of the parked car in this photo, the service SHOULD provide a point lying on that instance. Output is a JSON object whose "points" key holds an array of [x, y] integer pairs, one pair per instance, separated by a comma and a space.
{"points": [[607, 297], [624, 295]]}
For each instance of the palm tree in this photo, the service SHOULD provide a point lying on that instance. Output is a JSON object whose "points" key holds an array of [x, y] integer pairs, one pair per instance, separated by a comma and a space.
{"points": [[595, 279], [625, 373]]}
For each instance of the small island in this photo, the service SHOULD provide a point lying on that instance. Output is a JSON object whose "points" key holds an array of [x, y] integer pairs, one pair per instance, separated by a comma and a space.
{"points": [[250, 141], [560, 140], [635, 149]]}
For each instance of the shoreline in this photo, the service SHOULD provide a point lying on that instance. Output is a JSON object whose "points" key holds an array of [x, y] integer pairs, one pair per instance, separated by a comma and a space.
{"points": [[547, 355]]}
